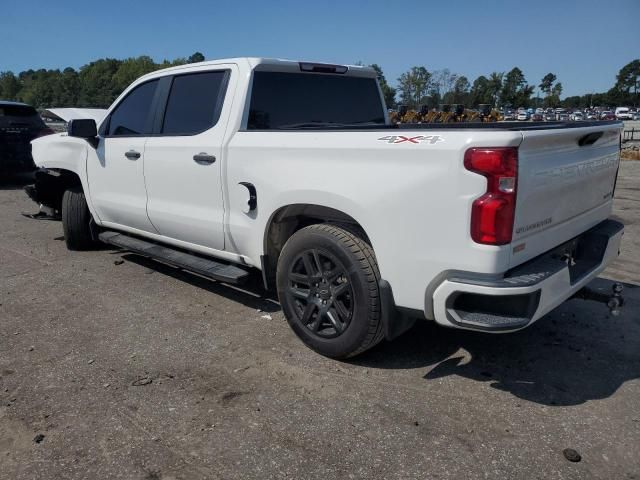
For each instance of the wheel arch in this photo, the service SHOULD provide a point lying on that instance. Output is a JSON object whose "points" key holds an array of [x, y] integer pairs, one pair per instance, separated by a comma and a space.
{"points": [[288, 219], [50, 185]]}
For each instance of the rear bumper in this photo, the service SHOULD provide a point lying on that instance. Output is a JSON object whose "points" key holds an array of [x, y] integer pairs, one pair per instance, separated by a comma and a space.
{"points": [[529, 291]]}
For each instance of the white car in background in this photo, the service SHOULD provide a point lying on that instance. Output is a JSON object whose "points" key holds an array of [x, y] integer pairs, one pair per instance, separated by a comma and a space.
{"points": [[576, 116], [623, 113]]}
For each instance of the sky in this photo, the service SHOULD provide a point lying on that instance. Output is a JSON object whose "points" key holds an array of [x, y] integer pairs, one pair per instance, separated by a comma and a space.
{"points": [[584, 42]]}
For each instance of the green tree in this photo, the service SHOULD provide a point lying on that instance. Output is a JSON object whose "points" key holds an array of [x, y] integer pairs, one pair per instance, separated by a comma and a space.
{"points": [[9, 86], [551, 90], [553, 99], [480, 92], [40, 87], [388, 91], [176, 62], [195, 58], [69, 88], [515, 91], [131, 69], [547, 83], [442, 83], [494, 87], [414, 86], [96, 83], [459, 94], [627, 84], [574, 102]]}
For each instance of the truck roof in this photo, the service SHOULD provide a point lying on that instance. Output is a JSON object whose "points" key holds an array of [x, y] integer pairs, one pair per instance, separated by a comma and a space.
{"points": [[264, 63]]}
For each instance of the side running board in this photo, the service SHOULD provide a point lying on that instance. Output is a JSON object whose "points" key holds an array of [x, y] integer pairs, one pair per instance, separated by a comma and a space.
{"points": [[202, 266]]}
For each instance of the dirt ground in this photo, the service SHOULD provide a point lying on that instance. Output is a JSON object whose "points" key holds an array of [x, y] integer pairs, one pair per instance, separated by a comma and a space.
{"points": [[136, 370]]}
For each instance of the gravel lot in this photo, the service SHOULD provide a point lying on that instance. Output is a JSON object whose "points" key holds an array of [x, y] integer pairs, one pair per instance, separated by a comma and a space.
{"points": [[140, 371]]}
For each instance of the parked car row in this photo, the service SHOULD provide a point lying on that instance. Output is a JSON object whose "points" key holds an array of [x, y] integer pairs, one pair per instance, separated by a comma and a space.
{"points": [[564, 115]]}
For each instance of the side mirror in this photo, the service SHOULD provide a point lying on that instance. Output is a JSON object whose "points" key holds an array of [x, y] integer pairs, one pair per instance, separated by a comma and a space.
{"points": [[82, 128]]}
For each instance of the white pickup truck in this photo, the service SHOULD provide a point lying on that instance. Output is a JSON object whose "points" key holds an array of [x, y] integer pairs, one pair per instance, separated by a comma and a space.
{"points": [[292, 168]]}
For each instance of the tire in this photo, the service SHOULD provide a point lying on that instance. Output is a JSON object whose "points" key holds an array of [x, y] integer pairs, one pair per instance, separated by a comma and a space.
{"points": [[327, 280], [75, 220]]}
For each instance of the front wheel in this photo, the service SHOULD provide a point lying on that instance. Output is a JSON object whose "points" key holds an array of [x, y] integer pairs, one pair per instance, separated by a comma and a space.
{"points": [[75, 220], [327, 281]]}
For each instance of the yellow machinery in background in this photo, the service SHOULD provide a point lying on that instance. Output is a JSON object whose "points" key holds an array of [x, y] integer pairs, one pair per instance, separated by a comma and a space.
{"points": [[445, 114]]}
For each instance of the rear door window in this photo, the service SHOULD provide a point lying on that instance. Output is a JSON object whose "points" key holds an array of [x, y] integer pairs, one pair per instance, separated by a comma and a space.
{"points": [[286, 100], [194, 103], [133, 115]]}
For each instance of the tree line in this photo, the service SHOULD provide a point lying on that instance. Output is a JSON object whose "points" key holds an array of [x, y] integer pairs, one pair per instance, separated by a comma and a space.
{"points": [[419, 86], [98, 83]]}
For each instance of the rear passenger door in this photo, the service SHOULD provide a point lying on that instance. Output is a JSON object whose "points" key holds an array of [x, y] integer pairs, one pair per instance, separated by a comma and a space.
{"points": [[183, 159]]}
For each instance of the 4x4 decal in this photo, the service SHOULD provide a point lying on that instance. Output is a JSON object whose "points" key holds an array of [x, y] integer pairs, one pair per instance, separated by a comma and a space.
{"points": [[431, 139]]}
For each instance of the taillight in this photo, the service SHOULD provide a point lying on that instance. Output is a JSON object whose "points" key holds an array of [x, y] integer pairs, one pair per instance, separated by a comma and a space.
{"points": [[45, 131], [492, 214]]}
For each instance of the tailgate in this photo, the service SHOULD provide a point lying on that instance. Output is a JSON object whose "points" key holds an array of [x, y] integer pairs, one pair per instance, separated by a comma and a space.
{"points": [[566, 179]]}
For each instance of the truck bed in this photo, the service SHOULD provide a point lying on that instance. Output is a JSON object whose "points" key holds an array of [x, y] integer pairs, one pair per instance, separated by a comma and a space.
{"points": [[504, 126]]}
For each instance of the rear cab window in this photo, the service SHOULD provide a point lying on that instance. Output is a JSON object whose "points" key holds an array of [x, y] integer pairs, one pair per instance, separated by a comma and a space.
{"points": [[290, 100]]}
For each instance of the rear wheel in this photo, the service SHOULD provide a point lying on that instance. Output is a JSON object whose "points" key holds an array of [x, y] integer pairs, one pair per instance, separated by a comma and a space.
{"points": [[327, 281], [75, 220]]}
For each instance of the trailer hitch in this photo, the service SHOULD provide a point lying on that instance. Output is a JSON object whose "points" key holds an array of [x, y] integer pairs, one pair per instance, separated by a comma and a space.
{"points": [[614, 301]]}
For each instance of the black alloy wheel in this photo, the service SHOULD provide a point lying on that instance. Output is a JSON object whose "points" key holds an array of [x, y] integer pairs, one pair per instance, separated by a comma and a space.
{"points": [[327, 279], [320, 290]]}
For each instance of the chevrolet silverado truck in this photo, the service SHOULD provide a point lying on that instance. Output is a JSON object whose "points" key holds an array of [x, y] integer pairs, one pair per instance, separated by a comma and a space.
{"points": [[293, 168]]}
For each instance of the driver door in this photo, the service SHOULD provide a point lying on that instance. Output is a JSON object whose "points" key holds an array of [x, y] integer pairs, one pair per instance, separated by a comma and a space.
{"points": [[115, 169]]}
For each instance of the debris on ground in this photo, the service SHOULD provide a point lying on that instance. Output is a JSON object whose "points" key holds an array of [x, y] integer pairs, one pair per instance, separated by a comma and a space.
{"points": [[38, 438], [142, 381], [266, 317], [40, 216], [630, 152], [571, 455], [118, 262]]}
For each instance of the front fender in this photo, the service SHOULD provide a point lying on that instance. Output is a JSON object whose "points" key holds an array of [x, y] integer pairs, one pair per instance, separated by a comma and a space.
{"points": [[62, 152]]}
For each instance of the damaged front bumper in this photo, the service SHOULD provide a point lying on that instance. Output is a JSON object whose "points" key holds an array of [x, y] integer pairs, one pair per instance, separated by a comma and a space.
{"points": [[47, 191]]}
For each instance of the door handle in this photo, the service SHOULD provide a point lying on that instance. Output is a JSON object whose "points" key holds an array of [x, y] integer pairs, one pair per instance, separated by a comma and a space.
{"points": [[204, 159], [132, 155]]}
